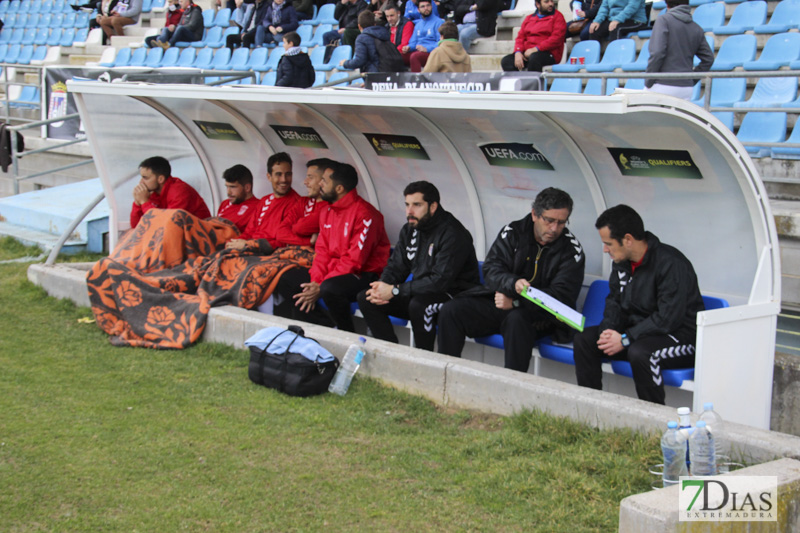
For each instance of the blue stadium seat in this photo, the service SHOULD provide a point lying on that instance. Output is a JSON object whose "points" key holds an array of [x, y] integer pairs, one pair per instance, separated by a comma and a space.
{"points": [[640, 65], [305, 33], [138, 57], [82, 20], [636, 84], [645, 34], [709, 16], [35, 6], [58, 6], [69, 20], [4, 8], [123, 58], [789, 153], [725, 92], [726, 117], [316, 40], [39, 54], [204, 58], [170, 56], [319, 78], [33, 21], [5, 36], [313, 21], [275, 56], [771, 92], [780, 51], [16, 36], [785, 17], [593, 85], [762, 127], [10, 21], [734, 1], [617, 53], [258, 60], [24, 7], [55, 37], [42, 34], [154, 57], [22, 20], [29, 97], [47, 6], [3, 50], [208, 18], [67, 36], [588, 50], [222, 58], [232, 30], [25, 54], [325, 15], [735, 51], [56, 20], [269, 78], [696, 3], [12, 54], [28, 37], [187, 57], [223, 18], [676, 376], [746, 17], [213, 39], [45, 20], [158, 5], [13, 7], [81, 36], [147, 6], [566, 85], [341, 52]]}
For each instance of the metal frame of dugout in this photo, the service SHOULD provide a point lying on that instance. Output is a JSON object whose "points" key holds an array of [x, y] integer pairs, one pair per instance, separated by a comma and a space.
{"points": [[490, 154]]}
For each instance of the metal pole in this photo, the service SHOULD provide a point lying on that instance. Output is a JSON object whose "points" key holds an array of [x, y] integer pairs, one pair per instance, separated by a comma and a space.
{"points": [[15, 163]]}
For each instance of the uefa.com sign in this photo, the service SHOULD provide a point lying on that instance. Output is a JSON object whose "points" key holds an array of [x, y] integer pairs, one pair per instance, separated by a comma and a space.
{"points": [[728, 499]]}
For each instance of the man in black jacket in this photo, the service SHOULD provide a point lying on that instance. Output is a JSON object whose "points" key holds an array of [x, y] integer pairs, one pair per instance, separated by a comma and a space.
{"points": [[650, 317], [436, 249], [538, 251], [346, 13], [476, 19]]}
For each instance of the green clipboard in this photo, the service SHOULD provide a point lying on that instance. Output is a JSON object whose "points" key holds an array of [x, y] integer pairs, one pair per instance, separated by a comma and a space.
{"points": [[564, 313]]}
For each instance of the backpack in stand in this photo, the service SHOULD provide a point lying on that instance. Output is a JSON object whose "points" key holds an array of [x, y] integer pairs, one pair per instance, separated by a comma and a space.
{"points": [[389, 57], [291, 372]]}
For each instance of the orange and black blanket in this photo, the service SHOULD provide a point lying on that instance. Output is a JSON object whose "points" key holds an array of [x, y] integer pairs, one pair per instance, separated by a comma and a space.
{"points": [[156, 288]]}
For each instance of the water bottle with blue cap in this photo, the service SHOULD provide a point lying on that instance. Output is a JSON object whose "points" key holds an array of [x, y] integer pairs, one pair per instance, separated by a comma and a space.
{"points": [[348, 368]]}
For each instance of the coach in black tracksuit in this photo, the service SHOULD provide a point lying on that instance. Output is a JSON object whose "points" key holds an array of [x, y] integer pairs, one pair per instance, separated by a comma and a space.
{"points": [[437, 249], [537, 251], [650, 316]]}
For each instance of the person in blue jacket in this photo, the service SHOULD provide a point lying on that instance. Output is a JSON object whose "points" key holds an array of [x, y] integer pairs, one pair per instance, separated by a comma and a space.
{"points": [[280, 19], [365, 56], [616, 18], [425, 37], [412, 10]]}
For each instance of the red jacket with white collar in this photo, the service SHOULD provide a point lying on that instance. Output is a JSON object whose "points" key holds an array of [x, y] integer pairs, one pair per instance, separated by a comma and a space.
{"points": [[268, 217], [303, 222], [175, 194], [352, 239], [240, 214]]}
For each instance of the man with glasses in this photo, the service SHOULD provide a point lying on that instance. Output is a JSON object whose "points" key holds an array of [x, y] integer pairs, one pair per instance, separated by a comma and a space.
{"points": [[538, 251]]}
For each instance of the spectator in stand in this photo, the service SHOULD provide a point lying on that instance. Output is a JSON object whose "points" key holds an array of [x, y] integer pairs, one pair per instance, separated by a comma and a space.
{"points": [[412, 11], [425, 38], [540, 41], [304, 9], [190, 29], [280, 18], [294, 68], [675, 41], [174, 14], [242, 14], [103, 10], [351, 252], [450, 55], [616, 18], [125, 13], [400, 29], [479, 20], [365, 57], [241, 204], [247, 36], [160, 190], [378, 7], [584, 15], [346, 13]]}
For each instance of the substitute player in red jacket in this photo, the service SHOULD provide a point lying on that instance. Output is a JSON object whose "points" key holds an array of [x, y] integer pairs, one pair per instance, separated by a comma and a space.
{"points": [[158, 189], [240, 204], [351, 252]]}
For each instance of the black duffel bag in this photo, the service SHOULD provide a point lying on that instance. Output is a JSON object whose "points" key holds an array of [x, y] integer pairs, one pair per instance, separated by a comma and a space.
{"points": [[289, 362]]}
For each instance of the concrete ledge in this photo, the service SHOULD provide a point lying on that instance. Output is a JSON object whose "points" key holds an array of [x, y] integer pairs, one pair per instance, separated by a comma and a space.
{"points": [[657, 511], [62, 281]]}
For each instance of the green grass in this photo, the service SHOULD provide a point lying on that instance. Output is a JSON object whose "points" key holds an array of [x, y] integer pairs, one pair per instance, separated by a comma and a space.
{"points": [[97, 438]]}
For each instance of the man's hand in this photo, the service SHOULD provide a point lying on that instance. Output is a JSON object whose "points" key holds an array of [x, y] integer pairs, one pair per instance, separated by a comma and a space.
{"points": [[593, 27], [340, 30], [521, 285], [519, 60], [501, 301], [235, 244], [421, 48], [405, 49], [613, 25], [610, 342], [314, 239], [379, 293], [530, 51], [140, 194], [580, 13], [342, 62], [307, 299], [171, 27]]}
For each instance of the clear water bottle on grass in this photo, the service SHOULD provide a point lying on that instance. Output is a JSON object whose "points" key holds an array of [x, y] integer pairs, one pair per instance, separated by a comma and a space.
{"points": [[701, 451], [673, 448], [350, 364], [685, 428], [716, 427]]}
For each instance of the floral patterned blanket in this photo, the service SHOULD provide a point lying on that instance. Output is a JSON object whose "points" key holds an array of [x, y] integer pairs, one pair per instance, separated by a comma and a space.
{"points": [[156, 288]]}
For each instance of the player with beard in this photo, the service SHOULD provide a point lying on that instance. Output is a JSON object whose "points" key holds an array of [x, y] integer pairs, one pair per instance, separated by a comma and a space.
{"points": [[351, 252], [538, 251], [240, 204], [301, 226], [436, 249], [160, 190]]}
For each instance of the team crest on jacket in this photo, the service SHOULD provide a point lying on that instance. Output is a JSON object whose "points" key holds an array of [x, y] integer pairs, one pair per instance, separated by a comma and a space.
{"points": [[242, 210]]}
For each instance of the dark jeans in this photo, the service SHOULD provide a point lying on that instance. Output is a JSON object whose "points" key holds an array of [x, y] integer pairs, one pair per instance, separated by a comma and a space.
{"points": [[244, 39], [337, 292], [647, 356], [182, 34], [536, 62], [422, 310], [622, 29], [478, 317]]}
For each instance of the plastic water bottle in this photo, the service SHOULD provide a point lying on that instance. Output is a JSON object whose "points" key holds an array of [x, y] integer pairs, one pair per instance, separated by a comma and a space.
{"points": [[701, 450], [716, 427], [673, 447], [350, 364], [685, 428]]}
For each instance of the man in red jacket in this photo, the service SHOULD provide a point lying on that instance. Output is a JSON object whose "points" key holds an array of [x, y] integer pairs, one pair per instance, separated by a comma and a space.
{"points": [[160, 190], [241, 203], [540, 41], [301, 226], [263, 228], [351, 252]]}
